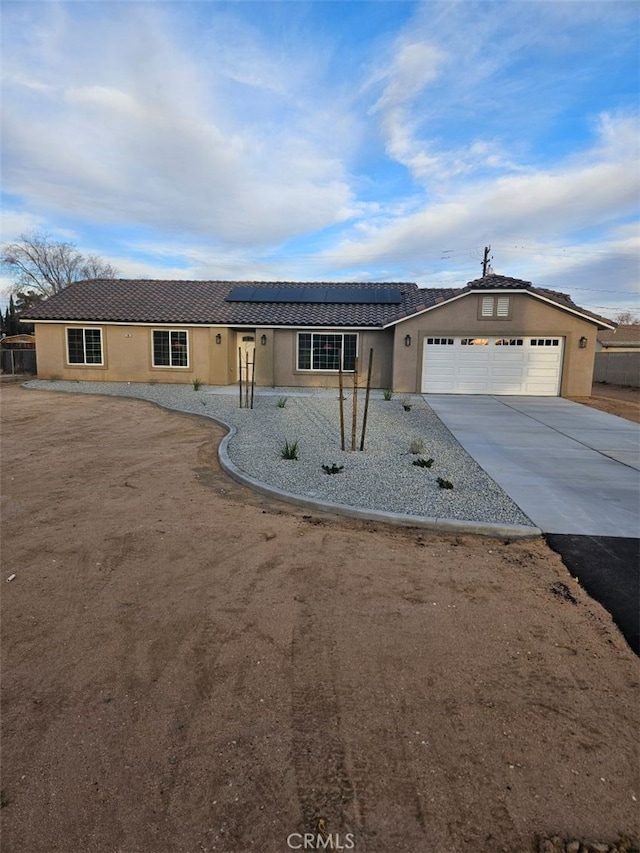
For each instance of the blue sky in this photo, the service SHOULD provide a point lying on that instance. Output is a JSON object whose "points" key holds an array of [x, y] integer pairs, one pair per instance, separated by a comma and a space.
{"points": [[341, 141]]}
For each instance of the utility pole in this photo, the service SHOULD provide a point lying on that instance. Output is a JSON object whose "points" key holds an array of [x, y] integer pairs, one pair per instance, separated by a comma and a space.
{"points": [[485, 260]]}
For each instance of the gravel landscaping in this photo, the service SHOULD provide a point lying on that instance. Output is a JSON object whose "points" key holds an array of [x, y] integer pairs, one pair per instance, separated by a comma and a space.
{"points": [[381, 478]]}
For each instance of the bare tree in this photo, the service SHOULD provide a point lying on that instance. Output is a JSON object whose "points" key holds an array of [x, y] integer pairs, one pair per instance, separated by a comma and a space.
{"points": [[44, 266], [627, 318]]}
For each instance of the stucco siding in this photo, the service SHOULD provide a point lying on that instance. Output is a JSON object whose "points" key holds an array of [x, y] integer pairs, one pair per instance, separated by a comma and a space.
{"points": [[127, 355], [528, 317], [284, 360]]}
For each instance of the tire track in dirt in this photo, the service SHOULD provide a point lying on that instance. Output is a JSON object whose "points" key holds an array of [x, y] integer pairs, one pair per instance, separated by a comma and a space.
{"points": [[325, 790]]}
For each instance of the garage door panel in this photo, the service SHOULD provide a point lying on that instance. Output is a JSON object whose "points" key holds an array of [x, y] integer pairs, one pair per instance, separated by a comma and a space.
{"points": [[507, 373], [501, 366], [470, 387], [539, 372], [510, 358], [474, 371]]}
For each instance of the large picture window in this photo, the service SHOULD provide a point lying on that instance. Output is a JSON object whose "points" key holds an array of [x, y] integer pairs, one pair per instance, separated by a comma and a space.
{"points": [[170, 348], [320, 351], [84, 346]]}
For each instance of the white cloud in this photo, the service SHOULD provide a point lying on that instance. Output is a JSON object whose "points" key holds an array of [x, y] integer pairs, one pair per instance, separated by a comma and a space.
{"points": [[15, 223], [254, 145], [150, 139], [593, 190], [414, 66]]}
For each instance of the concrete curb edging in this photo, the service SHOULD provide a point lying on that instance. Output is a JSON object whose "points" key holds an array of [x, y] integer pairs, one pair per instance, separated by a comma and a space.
{"points": [[440, 525], [437, 525]]}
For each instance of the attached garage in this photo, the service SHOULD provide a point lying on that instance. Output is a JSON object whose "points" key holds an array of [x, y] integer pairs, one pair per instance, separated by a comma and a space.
{"points": [[492, 365]]}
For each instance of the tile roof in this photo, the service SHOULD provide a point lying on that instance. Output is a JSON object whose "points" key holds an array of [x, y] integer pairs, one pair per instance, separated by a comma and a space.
{"points": [[194, 302], [492, 281], [623, 336], [155, 301], [503, 282]]}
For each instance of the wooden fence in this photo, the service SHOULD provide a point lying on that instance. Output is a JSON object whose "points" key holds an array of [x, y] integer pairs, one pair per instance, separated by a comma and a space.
{"points": [[617, 368], [18, 361]]}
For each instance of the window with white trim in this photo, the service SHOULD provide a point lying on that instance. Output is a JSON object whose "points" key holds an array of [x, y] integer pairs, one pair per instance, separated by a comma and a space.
{"points": [[170, 348], [321, 351], [84, 346], [441, 341], [495, 307], [475, 342], [508, 342]]}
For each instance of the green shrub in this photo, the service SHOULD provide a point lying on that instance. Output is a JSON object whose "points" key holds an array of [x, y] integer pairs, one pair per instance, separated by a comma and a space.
{"points": [[387, 394], [423, 463], [196, 384], [289, 450], [416, 446], [445, 484], [282, 402], [332, 469]]}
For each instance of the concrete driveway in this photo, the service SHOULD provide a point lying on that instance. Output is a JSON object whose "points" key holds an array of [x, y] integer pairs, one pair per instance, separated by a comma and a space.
{"points": [[570, 468]]}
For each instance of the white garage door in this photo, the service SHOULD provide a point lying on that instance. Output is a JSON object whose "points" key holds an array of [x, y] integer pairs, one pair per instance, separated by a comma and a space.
{"points": [[492, 365]]}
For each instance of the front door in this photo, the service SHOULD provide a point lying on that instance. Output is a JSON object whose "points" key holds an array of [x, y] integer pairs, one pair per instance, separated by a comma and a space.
{"points": [[246, 353]]}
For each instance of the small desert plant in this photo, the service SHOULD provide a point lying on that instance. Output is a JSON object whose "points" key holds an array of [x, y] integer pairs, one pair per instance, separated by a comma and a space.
{"points": [[423, 463], [387, 394], [289, 450], [282, 402], [196, 384], [445, 484], [332, 469], [416, 446], [406, 405]]}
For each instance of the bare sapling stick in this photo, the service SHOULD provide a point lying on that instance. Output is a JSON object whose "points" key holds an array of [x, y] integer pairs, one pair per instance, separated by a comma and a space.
{"points": [[340, 389], [253, 377], [246, 381], [354, 419], [366, 400]]}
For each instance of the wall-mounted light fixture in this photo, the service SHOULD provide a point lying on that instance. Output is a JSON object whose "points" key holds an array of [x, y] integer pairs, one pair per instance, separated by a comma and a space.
{"points": [[582, 343], [407, 340], [218, 338], [263, 340]]}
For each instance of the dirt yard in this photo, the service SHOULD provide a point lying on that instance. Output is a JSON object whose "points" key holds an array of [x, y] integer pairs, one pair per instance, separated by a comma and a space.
{"points": [[615, 399], [188, 666]]}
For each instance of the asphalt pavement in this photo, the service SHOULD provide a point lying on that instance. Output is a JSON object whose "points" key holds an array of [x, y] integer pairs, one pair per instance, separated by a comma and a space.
{"points": [[607, 567]]}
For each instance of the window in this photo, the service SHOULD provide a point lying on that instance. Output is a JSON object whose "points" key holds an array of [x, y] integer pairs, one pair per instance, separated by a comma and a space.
{"points": [[545, 342], [322, 352], [475, 342], [442, 341], [84, 346], [508, 342], [495, 307], [170, 349]]}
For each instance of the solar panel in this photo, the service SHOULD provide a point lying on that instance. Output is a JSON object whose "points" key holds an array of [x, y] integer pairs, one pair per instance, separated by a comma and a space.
{"points": [[289, 294], [266, 294], [240, 294], [313, 295]]}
